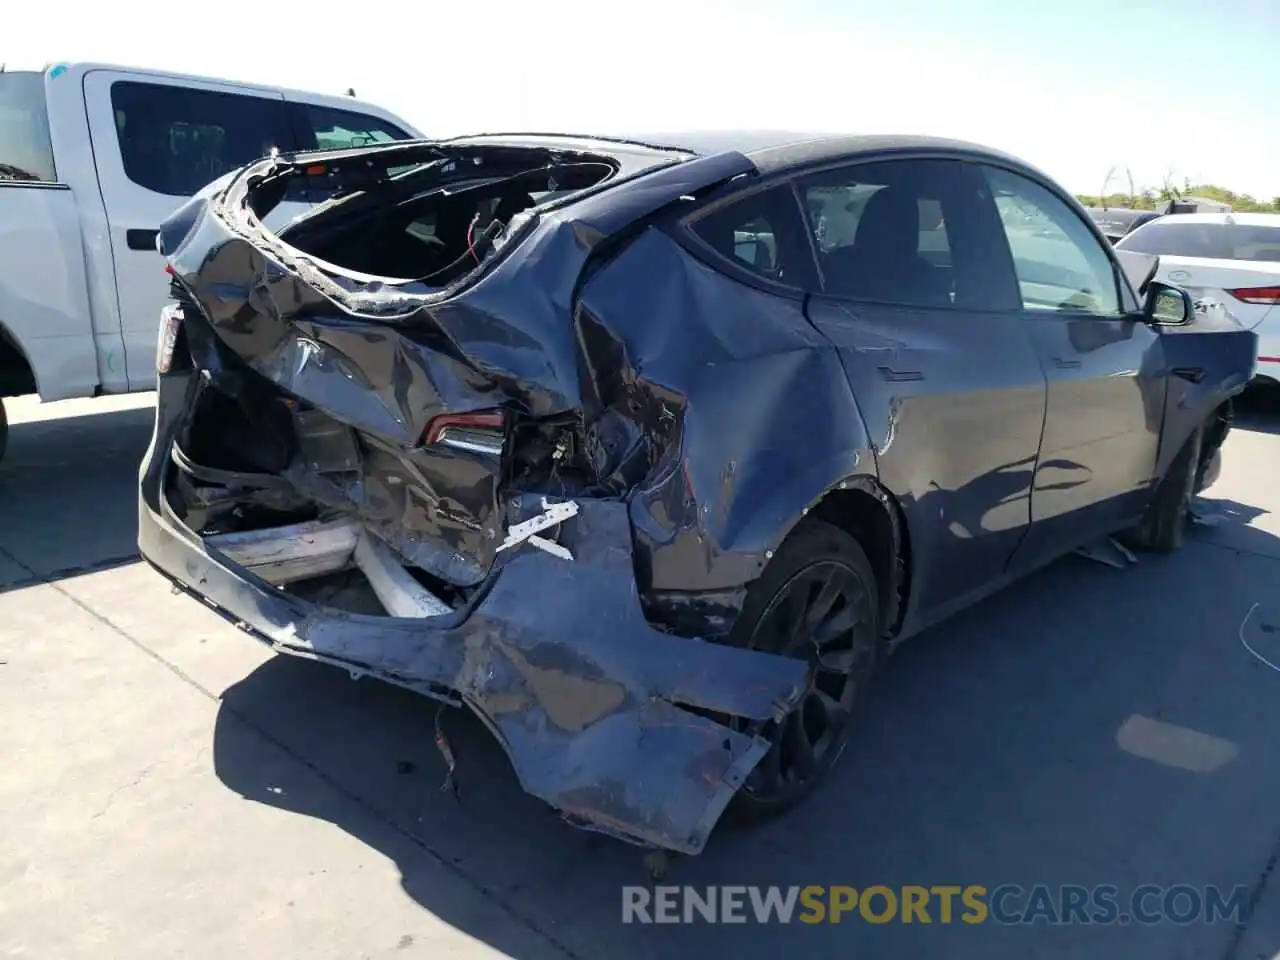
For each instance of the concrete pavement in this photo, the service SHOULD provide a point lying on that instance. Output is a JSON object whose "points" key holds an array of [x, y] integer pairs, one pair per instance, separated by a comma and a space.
{"points": [[173, 789]]}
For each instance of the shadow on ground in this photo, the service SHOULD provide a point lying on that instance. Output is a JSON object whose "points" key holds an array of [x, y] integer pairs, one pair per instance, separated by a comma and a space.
{"points": [[1087, 726], [68, 490]]}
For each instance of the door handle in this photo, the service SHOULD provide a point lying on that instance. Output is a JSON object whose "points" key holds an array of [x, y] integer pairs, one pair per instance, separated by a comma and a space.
{"points": [[1194, 374], [898, 376], [141, 239], [1063, 364]]}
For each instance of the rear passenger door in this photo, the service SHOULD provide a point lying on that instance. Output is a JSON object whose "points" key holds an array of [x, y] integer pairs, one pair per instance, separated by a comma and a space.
{"points": [[917, 296], [156, 142], [1104, 364]]}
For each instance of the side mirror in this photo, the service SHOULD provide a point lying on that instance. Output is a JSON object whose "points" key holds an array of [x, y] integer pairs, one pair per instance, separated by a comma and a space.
{"points": [[1167, 305]]}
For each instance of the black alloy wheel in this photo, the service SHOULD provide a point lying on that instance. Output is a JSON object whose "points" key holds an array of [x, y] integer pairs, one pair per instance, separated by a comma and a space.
{"points": [[817, 601]]}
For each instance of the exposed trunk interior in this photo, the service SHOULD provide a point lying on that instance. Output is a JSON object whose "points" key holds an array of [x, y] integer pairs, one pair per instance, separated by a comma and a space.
{"points": [[435, 223]]}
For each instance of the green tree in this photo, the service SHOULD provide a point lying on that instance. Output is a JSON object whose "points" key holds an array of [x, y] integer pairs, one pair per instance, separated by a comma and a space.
{"points": [[1154, 199]]}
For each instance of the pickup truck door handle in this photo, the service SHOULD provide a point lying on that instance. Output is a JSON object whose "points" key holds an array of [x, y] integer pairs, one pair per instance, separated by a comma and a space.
{"points": [[1194, 374], [1063, 364], [141, 239]]}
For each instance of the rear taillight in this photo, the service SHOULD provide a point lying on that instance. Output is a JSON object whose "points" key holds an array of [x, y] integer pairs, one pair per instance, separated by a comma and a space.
{"points": [[482, 432], [170, 324], [1269, 295]]}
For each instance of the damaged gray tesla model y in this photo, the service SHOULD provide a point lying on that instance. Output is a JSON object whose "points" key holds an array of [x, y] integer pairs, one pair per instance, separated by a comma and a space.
{"points": [[649, 450]]}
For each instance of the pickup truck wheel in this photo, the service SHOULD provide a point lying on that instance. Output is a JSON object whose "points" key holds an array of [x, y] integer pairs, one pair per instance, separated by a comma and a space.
{"points": [[4, 430], [1162, 528], [817, 601]]}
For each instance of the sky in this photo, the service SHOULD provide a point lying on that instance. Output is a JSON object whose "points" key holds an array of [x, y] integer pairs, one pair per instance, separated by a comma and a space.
{"points": [[1175, 88]]}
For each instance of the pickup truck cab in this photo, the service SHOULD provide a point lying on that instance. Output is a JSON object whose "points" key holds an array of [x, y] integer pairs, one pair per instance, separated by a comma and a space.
{"points": [[92, 159]]}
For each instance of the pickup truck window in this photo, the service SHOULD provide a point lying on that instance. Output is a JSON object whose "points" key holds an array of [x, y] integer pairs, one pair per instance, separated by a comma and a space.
{"points": [[25, 150], [174, 140], [339, 129], [328, 128]]}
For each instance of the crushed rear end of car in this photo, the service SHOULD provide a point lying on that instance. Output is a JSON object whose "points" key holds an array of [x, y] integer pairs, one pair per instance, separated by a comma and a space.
{"points": [[416, 479]]}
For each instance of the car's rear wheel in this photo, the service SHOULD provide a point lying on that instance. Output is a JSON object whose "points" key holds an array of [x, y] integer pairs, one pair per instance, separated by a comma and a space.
{"points": [[816, 601], [4, 431]]}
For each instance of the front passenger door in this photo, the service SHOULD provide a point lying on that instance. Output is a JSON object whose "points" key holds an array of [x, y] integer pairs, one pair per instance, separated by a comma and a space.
{"points": [[1104, 366]]}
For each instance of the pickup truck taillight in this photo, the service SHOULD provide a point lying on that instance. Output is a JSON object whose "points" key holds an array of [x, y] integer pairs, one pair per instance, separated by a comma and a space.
{"points": [[482, 432], [170, 324]]}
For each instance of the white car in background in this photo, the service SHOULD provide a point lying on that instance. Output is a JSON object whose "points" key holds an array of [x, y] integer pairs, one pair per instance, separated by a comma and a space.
{"points": [[1232, 259]]}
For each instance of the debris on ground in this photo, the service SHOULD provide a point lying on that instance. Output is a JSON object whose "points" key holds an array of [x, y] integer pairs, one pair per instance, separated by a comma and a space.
{"points": [[1109, 551], [1203, 513]]}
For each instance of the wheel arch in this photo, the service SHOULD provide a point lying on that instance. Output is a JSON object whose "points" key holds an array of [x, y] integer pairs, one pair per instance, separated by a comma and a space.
{"points": [[17, 374], [864, 509]]}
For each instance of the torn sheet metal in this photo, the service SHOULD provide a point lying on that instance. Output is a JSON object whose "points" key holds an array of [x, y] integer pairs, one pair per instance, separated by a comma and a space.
{"points": [[594, 707], [714, 486]]}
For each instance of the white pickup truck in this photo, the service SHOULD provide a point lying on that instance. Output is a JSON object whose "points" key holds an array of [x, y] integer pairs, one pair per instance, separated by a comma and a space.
{"points": [[92, 159]]}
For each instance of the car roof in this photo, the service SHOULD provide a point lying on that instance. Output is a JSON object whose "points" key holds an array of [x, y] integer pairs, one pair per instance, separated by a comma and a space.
{"points": [[775, 150], [769, 150]]}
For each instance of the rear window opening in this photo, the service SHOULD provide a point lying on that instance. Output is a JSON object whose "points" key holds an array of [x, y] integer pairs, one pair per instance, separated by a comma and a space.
{"points": [[430, 226]]}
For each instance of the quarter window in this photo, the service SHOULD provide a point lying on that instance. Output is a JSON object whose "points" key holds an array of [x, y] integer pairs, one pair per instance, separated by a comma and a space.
{"points": [[1060, 264], [174, 140], [759, 233]]}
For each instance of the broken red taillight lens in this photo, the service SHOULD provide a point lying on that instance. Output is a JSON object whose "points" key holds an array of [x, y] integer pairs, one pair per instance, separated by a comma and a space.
{"points": [[483, 432], [1269, 295]]}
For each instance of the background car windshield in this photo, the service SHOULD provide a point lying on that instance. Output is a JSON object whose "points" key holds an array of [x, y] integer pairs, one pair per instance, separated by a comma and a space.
{"points": [[1217, 241]]}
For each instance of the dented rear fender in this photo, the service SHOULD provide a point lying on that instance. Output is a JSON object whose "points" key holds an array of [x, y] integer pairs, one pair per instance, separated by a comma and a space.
{"points": [[735, 470]]}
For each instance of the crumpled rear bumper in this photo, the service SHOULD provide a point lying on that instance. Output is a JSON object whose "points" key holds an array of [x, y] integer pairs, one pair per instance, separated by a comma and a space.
{"points": [[588, 700]]}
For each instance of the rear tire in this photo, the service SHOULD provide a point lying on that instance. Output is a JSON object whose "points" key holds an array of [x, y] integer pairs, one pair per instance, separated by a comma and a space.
{"points": [[1161, 530], [816, 600], [4, 431]]}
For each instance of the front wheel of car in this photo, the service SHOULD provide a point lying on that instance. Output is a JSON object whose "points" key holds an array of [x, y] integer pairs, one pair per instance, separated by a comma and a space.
{"points": [[817, 600], [4, 430], [1161, 530]]}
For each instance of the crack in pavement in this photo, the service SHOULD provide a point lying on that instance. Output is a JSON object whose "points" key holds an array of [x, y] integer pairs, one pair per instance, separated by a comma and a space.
{"points": [[111, 797], [1255, 897], [445, 862]]}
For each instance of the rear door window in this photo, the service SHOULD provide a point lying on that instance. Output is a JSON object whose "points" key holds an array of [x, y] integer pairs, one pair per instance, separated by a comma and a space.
{"points": [[326, 128], [907, 232], [174, 139], [1171, 237], [26, 152]]}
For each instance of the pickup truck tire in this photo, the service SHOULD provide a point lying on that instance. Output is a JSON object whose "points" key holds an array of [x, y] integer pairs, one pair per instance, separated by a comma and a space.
{"points": [[4, 430], [816, 600], [1162, 529]]}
